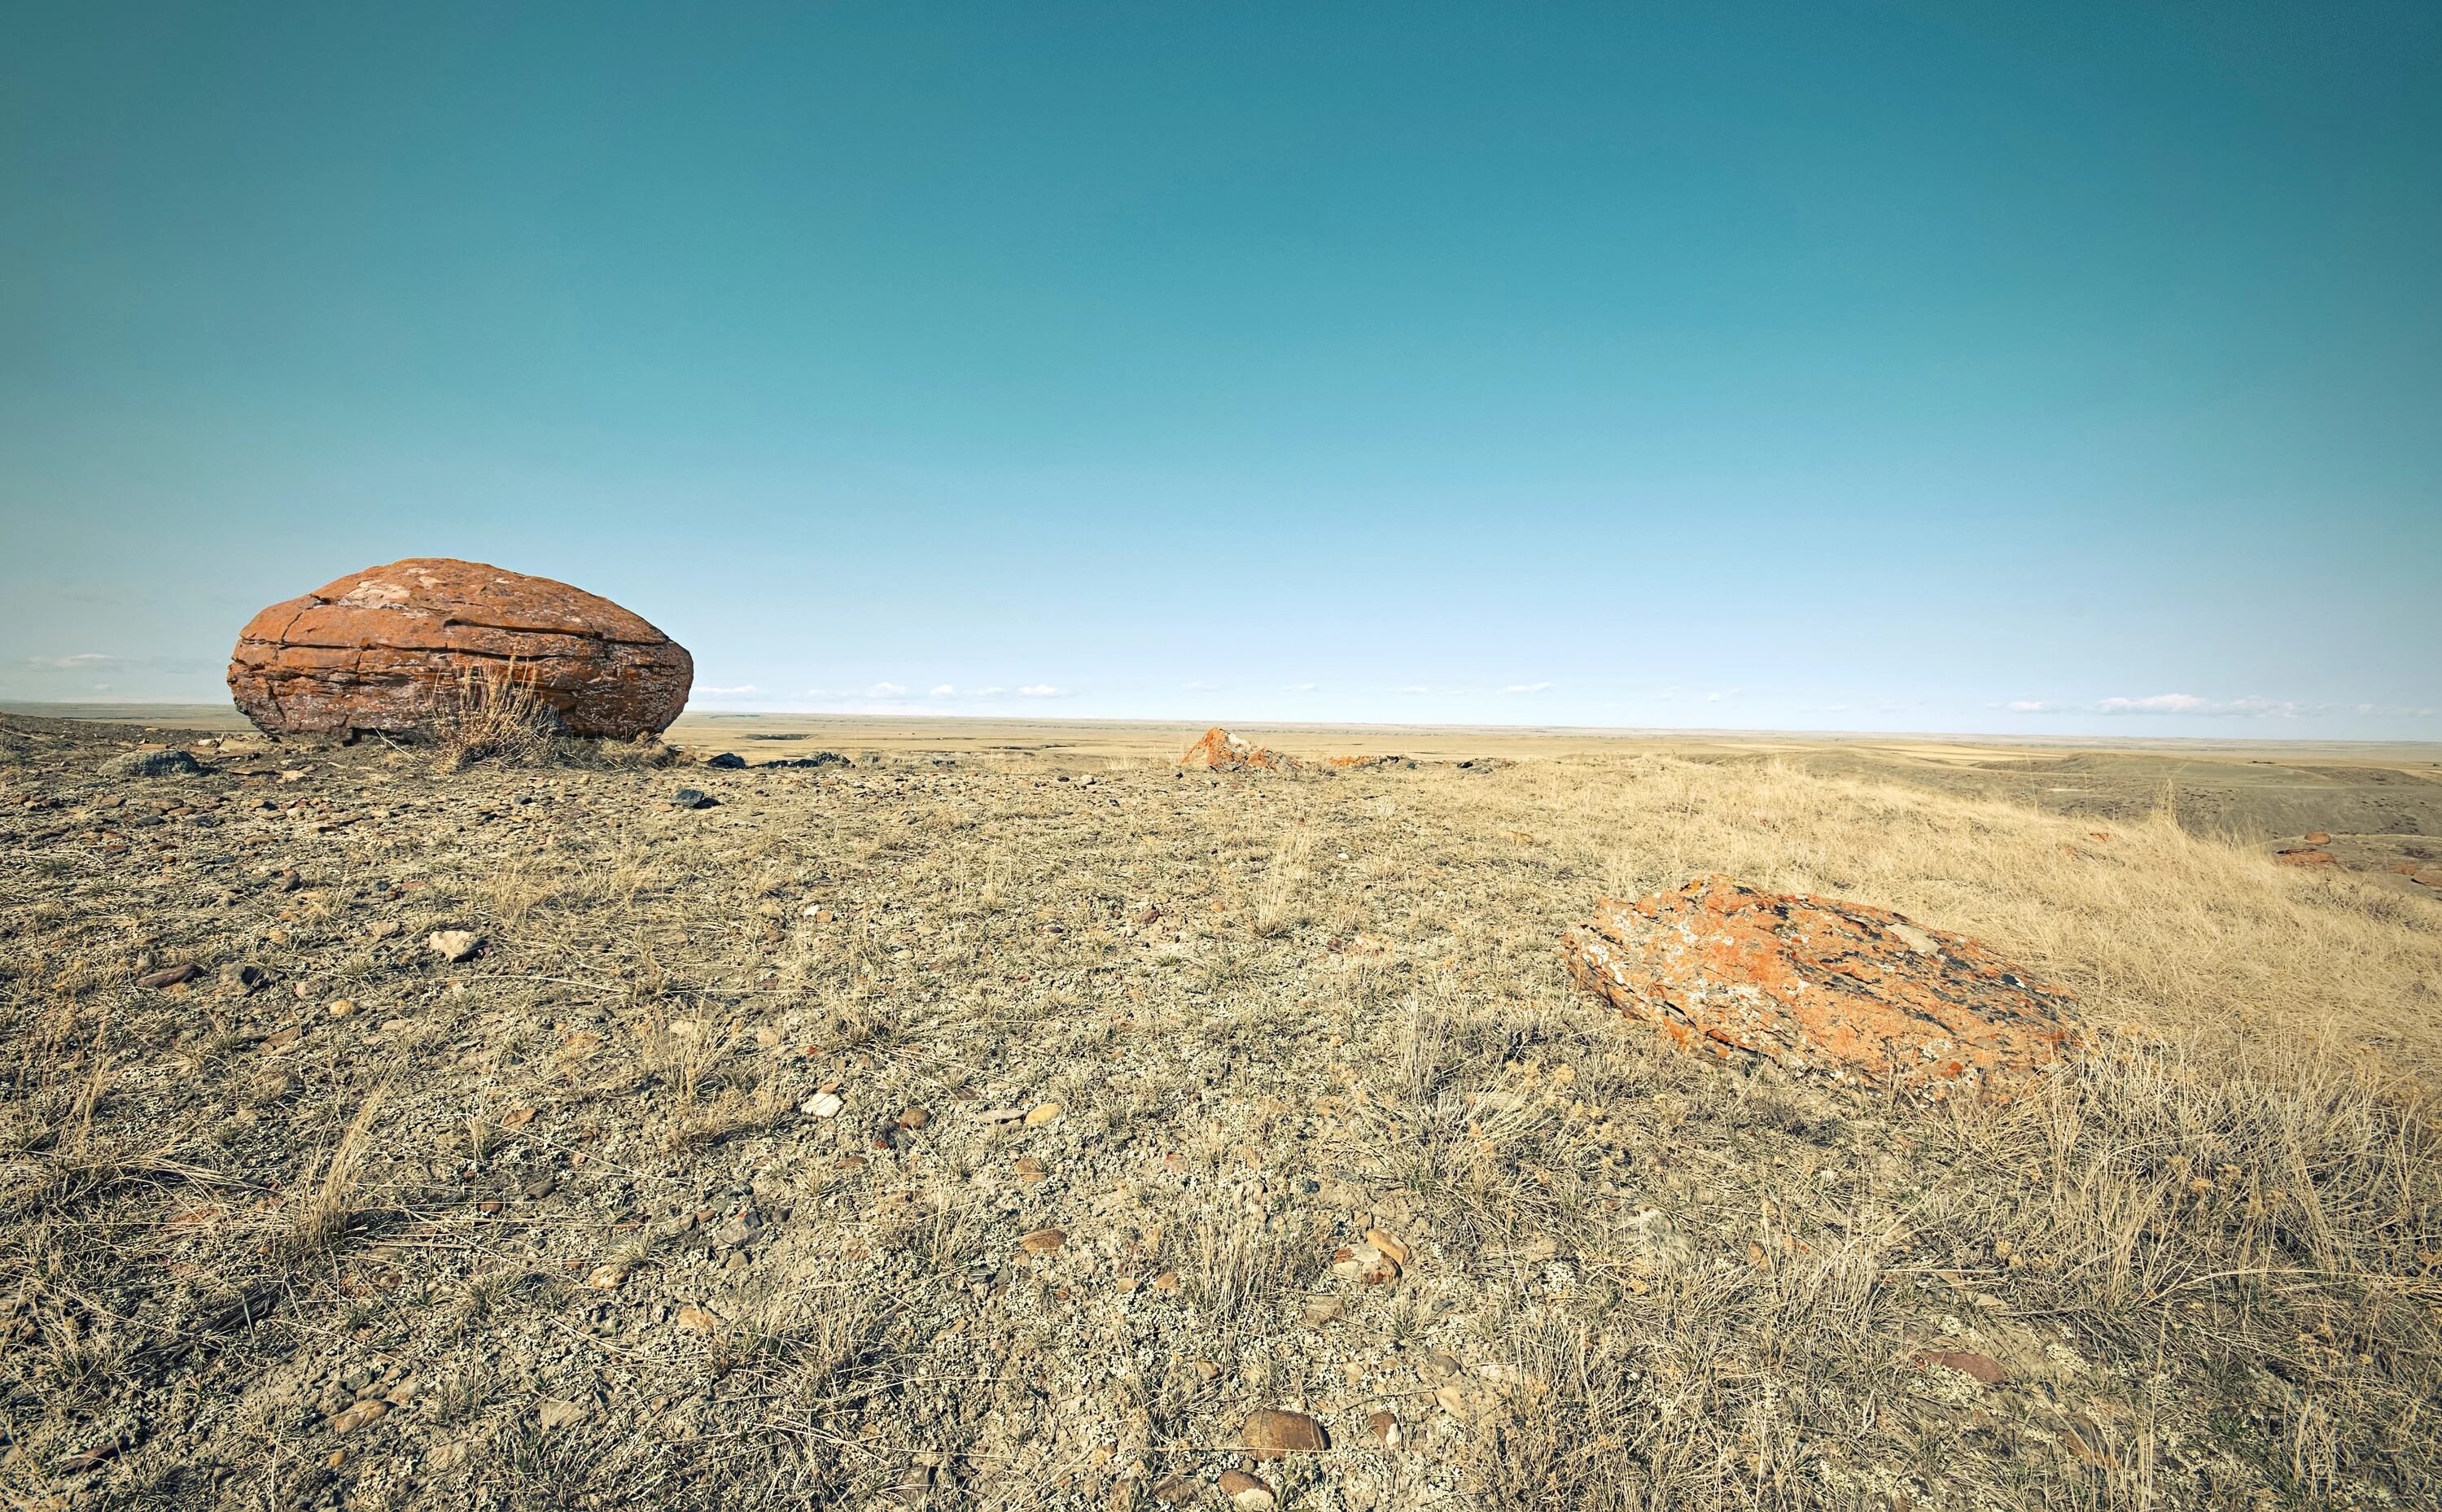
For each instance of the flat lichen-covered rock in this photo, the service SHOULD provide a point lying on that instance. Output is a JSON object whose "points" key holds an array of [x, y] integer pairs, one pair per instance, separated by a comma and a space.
{"points": [[1839, 990], [384, 649]]}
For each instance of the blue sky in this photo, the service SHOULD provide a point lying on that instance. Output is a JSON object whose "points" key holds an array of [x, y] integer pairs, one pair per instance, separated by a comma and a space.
{"points": [[2002, 368]]}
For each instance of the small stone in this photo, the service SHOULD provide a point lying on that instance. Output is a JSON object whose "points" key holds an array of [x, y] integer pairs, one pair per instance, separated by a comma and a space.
{"points": [[553, 1413], [913, 1119], [1983, 1369], [823, 1105], [452, 946], [1393, 1247], [245, 978], [359, 1415], [1167, 1280], [727, 761], [2319, 838], [694, 798], [1042, 1241], [1030, 1169], [1275, 1432], [1248, 1493], [1385, 1428], [1042, 1112], [1321, 1310], [385, 928], [1365, 1265], [1176, 1490], [695, 1319], [608, 1277], [168, 976], [340, 1006]]}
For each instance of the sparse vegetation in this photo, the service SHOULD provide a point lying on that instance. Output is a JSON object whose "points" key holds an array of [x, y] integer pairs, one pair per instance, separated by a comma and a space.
{"points": [[702, 1184], [494, 714]]}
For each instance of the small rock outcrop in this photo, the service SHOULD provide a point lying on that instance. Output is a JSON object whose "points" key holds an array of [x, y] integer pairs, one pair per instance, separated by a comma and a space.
{"points": [[1220, 751], [170, 763], [1843, 990], [2306, 855], [385, 648]]}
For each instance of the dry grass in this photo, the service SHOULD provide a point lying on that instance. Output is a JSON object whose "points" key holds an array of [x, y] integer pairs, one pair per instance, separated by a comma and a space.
{"points": [[322, 1219], [1274, 1014], [492, 714]]}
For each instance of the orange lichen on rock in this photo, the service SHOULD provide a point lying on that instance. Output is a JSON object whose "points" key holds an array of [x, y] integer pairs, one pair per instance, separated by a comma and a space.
{"points": [[1220, 751], [1844, 990]]}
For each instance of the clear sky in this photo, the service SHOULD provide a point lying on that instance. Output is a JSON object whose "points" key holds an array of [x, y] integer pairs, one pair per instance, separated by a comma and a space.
{"points": [[1972, 367]]}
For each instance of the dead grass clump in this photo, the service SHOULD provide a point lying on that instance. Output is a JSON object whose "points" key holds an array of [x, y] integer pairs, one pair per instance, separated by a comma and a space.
{"points": [[495, 714], [318, 1225], [1240, 1274], [1277, 905]]}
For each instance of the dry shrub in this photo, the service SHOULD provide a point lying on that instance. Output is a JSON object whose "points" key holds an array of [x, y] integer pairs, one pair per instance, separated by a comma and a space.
{"points": [[494, 714]]}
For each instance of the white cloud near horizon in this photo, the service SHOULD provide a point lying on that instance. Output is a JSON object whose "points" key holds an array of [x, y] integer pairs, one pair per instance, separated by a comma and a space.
{"points": [[2190, 704], [1526, 688]]}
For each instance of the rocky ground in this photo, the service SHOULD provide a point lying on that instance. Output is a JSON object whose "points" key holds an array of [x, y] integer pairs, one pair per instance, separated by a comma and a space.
{"points": [[1010, 1129]]}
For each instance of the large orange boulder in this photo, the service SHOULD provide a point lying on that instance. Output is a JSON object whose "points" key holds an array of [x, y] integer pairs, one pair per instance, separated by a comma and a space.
{"points": [[1849, 993], [388, 647], [1220, 751]]}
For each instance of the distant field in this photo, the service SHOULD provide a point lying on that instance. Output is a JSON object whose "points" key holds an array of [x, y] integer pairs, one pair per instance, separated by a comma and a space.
{"points": [[2381, 797]]}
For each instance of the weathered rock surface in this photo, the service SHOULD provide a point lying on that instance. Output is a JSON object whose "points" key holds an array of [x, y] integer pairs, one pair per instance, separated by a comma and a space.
{"points": [[1220, 751], [387, 648], [1275, 1433], [2305, 856], [1844, 990]]}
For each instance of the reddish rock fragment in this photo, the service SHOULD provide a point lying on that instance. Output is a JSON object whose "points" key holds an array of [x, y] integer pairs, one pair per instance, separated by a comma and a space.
{"points": [[387, 648], [1220, 751], [1275, 1433], [1844, 990]]}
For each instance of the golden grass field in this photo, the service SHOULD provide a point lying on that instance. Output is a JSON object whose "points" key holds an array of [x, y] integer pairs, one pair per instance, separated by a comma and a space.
{"points": [[702, 1181]]}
